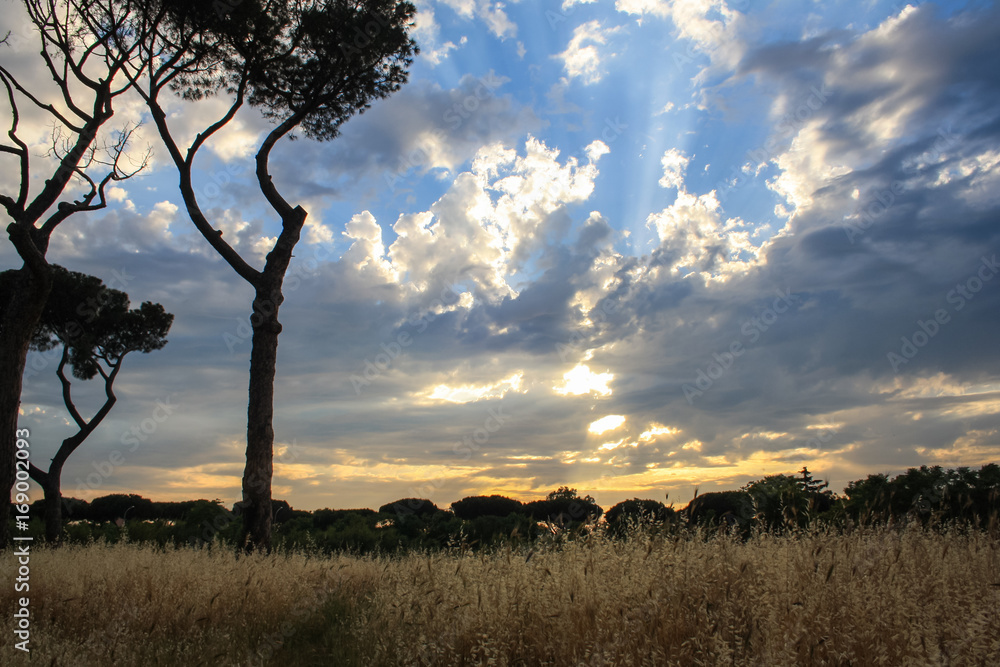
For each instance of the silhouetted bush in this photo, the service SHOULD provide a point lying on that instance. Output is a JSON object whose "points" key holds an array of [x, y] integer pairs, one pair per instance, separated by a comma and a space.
{"points": [[205, 521], [564, 507], [715, 507], [173, 511], [281, 510], [485, 531], [927, 494], [409, 507], [636, 512], [116, 505], [783, 502], [476, 506], [325, 518]]}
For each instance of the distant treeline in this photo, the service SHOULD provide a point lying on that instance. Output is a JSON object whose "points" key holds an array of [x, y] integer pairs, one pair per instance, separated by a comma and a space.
{"points": [[777, 503]]}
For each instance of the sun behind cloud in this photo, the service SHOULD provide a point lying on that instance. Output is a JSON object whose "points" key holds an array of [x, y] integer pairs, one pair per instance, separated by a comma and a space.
{"points": [[581, 380], [605, 424], [470, 393]]}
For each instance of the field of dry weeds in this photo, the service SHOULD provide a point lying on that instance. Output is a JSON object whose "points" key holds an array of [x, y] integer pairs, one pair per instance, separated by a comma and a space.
{"points": [[872, 597]]}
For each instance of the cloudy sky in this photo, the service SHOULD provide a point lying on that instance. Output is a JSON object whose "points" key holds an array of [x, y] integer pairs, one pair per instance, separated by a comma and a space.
{"points": [[633, 247]]}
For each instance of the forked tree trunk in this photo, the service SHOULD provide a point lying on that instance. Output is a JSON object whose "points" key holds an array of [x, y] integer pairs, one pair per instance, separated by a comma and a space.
{"points": [[260, 417], [255, 506], [263, 363]]}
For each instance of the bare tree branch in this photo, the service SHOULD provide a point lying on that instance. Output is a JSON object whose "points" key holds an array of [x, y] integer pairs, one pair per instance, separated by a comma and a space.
{"points": [[184, 165], [67, 389], [14, 207], [97, 190], [202, 137], [264, 180], [38, 474], [44, 107]]}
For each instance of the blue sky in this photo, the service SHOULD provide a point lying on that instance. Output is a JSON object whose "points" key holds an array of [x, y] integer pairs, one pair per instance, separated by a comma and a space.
{"points": [[632, 247]]}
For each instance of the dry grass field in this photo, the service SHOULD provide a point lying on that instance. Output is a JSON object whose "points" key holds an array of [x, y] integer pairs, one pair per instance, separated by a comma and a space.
{"points": [[872, 597]]}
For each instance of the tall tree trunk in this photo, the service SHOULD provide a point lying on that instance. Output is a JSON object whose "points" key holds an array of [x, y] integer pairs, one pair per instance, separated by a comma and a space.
{"points": [[260, 415], [20, 317], [53, 507]]}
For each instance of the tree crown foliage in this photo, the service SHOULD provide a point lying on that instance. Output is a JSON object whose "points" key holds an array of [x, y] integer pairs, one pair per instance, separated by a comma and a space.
{"points": [[638, 511], [784, 500], [476, 506], [564, 505], [712, 506], [93, 321], [408, 506], [314, 62], [116, 505]]}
